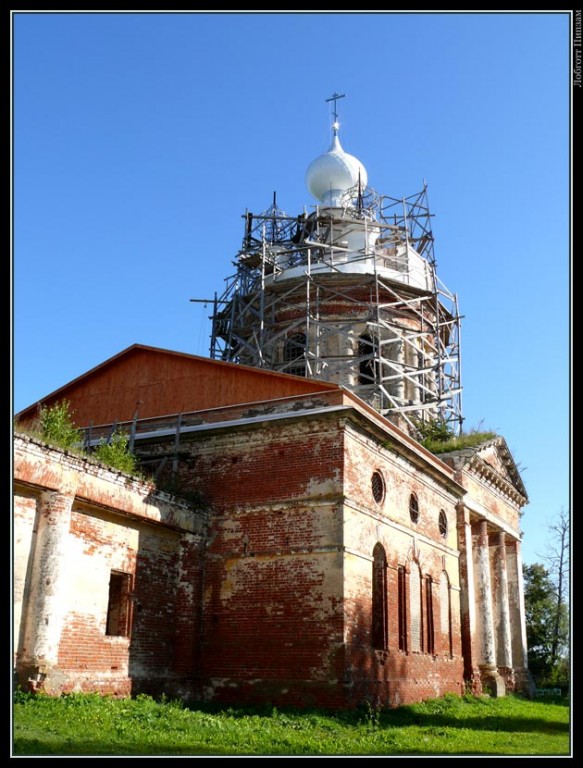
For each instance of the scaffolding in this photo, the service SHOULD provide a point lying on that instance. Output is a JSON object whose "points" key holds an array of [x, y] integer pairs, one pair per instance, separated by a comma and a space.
{"points": [[348, 295]]}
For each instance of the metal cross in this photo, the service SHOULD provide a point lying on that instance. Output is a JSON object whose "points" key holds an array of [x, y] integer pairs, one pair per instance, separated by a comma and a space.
{"points": [[334, 98]]}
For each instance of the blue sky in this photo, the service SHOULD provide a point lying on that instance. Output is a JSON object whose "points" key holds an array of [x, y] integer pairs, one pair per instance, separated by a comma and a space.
{"points": [[139, 140]]}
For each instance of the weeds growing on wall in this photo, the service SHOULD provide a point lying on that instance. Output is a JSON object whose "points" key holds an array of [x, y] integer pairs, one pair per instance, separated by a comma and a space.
{"points": [[57, 427], [438, 437], [116, 453]]}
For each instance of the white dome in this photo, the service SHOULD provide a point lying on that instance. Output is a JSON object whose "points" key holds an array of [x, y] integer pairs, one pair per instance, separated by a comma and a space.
{"points": [[329, 176]]}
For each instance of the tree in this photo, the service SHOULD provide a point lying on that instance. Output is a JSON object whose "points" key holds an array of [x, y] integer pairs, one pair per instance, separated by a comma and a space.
{"points": [[539, 606], [558, 560], [546, 596]]}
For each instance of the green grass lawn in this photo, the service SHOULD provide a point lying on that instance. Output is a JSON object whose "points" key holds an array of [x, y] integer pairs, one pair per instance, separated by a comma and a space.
{"points": [[90, 725]]}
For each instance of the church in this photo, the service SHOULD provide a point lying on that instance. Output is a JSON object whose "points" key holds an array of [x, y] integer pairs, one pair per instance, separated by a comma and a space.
{"points": [[289, 539]]}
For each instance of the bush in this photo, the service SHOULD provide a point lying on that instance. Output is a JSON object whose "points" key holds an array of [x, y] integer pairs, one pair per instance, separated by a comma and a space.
{"points": [[116, 453], [56, 425], [434, 430]]}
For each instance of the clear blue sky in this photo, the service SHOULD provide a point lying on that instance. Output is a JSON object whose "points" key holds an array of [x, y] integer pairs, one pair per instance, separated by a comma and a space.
{"points": [[141, 139]]}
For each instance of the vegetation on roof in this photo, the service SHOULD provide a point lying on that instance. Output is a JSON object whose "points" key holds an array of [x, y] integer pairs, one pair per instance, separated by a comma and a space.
{"points": [[116, 453], [438, 437], [55, 426]]}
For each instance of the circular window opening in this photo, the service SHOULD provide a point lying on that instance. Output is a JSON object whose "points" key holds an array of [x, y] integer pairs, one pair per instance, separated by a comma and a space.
{"points": [[413, 508], [378, 487], [442, 523]]}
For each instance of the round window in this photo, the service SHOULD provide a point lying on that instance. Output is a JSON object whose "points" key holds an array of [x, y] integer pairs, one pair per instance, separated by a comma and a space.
{"points": [[442, 523], [378, 487]]}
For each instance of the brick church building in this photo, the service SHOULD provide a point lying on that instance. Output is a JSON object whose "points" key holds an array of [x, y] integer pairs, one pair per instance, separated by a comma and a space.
{"points": [[294, 542]]}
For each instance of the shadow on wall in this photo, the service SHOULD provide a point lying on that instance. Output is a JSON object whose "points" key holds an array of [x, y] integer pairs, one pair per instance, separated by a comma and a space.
{"points": [[166, 609], [391, 677]]}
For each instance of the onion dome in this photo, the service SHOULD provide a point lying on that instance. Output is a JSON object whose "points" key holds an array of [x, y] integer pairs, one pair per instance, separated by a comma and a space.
{"points": [[332, 174]]}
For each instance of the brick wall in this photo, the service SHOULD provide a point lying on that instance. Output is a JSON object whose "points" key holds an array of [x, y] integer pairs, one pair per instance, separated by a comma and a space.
{"points": [[114, 523], [396, 676], [288, 570], [272, 603]]}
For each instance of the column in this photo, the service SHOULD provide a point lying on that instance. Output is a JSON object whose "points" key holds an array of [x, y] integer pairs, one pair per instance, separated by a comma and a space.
{"points": [[468, 601], [488, 669], [520, 581], [523, 679], [504, 635], [47, 605]]}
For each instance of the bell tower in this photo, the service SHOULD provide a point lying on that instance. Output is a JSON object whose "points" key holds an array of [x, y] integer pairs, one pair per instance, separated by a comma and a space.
{"points": [[347, 292]]}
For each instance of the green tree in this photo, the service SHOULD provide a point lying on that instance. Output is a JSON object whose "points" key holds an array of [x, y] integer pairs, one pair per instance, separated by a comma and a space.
{"points": [[557, 558], [543, 615]]}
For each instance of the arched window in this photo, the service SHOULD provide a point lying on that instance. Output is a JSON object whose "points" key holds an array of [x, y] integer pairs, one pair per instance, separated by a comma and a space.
{"points": [[413, 508], [367, 367], [430, 632], [415, 608], [294, 352], [445, 613], [402, 607], [380, 637]]}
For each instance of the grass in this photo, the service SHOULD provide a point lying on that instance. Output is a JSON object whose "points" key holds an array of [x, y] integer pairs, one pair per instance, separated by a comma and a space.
{"points": [[467, 440], [87, 724]]}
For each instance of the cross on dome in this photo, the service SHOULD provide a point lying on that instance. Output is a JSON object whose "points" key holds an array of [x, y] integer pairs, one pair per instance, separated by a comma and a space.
{"points": [[332, 174]]}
